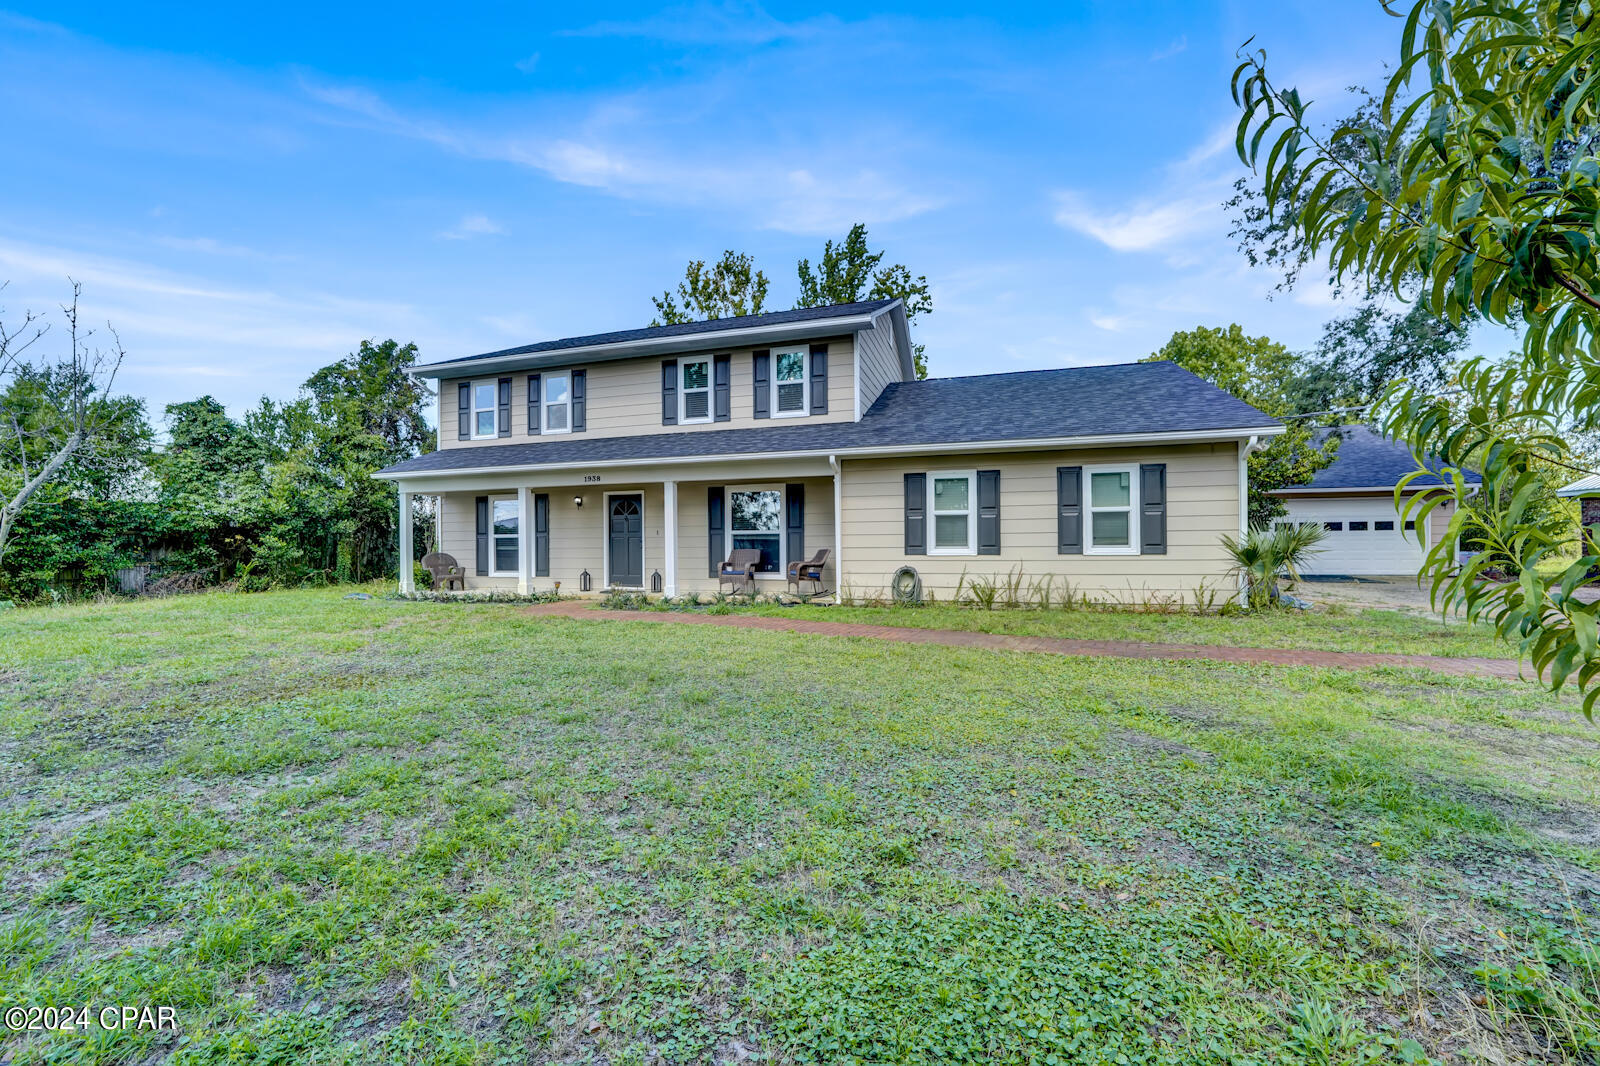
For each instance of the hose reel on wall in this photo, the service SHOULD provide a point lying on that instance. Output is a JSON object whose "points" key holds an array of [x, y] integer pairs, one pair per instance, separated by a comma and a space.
{"points": [[906, 587]]}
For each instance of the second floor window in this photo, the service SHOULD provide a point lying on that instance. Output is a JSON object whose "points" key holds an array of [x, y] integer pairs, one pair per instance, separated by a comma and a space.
{"points": [[484, 409], [789, 387], [557, 405], [694, 395]]}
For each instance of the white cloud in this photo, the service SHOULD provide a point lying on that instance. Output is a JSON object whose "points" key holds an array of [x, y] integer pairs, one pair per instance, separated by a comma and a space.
{"points": [[615, 150], [529, 64], [1109, 323], [1146, 226], [730, 23], [473, 226], [1180, 45]]}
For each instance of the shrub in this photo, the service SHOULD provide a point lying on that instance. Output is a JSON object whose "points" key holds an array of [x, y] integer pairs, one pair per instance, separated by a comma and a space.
{"points": [[1271, 558]]}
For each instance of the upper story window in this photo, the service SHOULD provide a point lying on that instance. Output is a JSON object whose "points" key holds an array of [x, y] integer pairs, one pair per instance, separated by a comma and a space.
{"points": [[484, 410], [790, 389], [556, 407], [1113, 511], [694, 391]]}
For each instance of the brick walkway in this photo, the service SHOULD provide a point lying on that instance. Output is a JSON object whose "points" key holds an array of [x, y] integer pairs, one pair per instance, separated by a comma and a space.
{"points": [[1118, 649]]}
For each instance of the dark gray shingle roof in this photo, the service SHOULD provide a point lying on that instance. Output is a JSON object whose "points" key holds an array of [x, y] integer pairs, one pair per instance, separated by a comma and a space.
{"points": [[1367, 459], [715, 325], [1036, 404]]}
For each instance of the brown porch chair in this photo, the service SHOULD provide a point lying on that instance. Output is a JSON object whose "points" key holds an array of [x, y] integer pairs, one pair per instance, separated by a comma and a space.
{"points": [[740, 569], [810, 570], [445, 571]]}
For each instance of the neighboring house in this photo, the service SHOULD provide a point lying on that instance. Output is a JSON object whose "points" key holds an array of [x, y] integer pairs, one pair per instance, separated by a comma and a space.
{"points": [[1353, 498], [642, 458], [1586, 490]]}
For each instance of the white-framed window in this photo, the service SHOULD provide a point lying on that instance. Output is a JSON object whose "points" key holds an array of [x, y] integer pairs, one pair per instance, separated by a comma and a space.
{"points": [[694, 391], [485, 409], [755, 520], [953, 512], [555, 406], [505, 521], [791, 385], [1113, 526]]}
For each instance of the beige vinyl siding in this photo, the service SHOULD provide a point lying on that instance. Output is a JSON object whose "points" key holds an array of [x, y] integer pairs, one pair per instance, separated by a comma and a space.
{"points": [[576, 535], [623, 398], [1202, 505], [880, 363], [694, 553]]}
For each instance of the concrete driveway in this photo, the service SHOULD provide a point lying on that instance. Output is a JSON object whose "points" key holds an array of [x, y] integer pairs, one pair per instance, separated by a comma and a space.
{"points": [[1398, 592]]}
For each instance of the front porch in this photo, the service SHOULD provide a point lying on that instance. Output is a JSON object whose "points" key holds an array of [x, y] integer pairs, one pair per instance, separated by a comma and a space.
{"points": [[613, 530]]}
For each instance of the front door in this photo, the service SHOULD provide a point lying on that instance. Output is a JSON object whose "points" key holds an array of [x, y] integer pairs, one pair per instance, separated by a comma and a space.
{"points": [[625, 543]]}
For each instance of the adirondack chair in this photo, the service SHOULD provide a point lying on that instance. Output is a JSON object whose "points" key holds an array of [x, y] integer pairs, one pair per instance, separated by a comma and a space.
{"points": [[810, 570], [444, 569], [740, 569]]}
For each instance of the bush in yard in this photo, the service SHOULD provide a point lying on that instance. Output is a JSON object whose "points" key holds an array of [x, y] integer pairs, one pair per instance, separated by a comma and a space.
{"points": [[1268, 557]]}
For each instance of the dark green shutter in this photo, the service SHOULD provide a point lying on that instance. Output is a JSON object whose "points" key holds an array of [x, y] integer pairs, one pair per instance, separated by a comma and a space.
{"points": [[1069, 510], [916, 514], [669, 392], [722, 387], [988, 512], [715, 525], [1153, 509], [464, 402], [541, 534], [482, 503], [534, 419], [505, 407], [794, 521], [580, 400], [761, 375], [819, 379]]}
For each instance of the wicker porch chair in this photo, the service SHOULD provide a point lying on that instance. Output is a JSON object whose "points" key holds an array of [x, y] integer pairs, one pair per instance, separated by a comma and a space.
{"points": [[446, 572], [740, 569], [810, 570]]}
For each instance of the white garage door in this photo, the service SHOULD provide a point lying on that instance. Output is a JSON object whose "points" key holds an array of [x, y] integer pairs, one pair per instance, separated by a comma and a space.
{"points": [[1365, 537]]}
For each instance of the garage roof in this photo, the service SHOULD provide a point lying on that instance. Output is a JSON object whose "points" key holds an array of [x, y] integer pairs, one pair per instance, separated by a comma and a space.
{"points": [[1368, 460]]}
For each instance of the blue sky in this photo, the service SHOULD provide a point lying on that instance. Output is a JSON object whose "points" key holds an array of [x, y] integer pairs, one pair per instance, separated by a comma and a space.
{"points": [[245, 198]]}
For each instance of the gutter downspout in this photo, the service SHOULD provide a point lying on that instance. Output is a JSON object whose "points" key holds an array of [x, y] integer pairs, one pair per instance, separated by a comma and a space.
{"points": [[1247, 447], [838, 529]]}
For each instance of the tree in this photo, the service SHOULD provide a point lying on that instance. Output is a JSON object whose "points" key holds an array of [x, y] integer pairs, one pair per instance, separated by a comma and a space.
{"points": [[1492, 201], [1264, 374], [1362, 351], [38, 444], [728, 288], [849, 271]]}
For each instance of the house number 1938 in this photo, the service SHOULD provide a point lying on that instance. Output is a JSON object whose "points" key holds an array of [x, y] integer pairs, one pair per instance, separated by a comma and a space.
{"points": [[591, 478]]}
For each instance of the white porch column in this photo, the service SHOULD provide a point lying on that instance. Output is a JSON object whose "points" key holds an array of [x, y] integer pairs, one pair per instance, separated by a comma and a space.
{"points": [[524, 540], [669, 534], [838, 529], [406, 565]]}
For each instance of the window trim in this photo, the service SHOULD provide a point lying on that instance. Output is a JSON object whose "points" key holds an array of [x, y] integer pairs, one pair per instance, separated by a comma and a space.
{"points": [[544, 413], [1089, 509], [782, 571], [804, 351], [683, 393], [516, 538], [493, 408], [971, 547]]}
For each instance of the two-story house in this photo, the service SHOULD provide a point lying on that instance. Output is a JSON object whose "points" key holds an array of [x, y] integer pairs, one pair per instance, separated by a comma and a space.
{"points": [[641, 459]]}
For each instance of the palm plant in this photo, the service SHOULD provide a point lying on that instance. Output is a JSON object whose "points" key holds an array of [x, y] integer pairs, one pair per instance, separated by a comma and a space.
{"points": [[1267, 557]]}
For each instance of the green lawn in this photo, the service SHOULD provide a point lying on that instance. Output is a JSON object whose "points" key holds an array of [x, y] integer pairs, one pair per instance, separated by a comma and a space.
{"points": [[1335, 628], [332, 830]]}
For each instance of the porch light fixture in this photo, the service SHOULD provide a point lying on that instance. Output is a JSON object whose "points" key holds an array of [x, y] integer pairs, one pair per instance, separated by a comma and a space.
{"points": [[577, 501]]}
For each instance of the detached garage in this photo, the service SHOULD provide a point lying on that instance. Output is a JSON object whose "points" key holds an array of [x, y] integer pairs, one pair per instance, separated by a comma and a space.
{"points": [[1353, 499]]}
